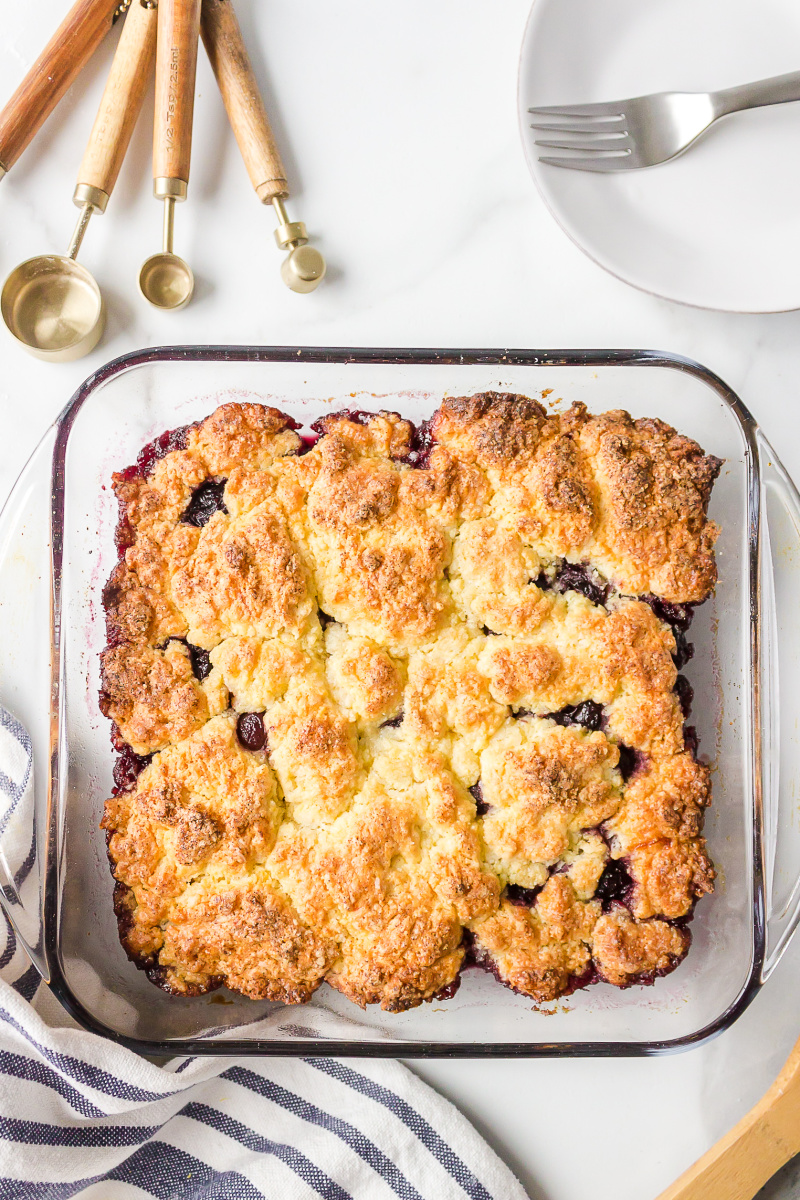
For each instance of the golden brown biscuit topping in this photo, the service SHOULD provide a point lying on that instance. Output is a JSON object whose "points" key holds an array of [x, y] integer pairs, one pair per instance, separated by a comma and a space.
{"points": [[381, 714]]}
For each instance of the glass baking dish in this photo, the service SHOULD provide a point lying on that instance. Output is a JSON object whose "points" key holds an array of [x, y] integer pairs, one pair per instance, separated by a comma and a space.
{"points": [[56, 550]]}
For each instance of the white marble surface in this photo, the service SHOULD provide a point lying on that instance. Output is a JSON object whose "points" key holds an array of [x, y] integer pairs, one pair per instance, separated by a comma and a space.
{"points": [[399, 131]]}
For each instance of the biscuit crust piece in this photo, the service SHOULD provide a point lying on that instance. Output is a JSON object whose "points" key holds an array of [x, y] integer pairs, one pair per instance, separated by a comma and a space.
{"points": [[386, 705]]}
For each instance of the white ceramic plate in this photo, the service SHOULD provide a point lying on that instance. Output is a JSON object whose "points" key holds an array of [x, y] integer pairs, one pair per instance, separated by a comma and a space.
{"points": [[718, 227]]}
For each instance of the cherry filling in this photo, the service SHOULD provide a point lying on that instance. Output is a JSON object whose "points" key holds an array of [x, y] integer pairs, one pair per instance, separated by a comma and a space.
{"points": [[449, 990], [324, 619], [309, 441], [206, 500], [251, 732], [128, 768], [685, 694], [615, 884], [589, 714], [523, 897], [481, 807], [172, 439], [200, 659], [577, 577], [691, 741], [679, 616], [630, 761], [201, 662], [394, 722], [684, 650], [422, 443]]}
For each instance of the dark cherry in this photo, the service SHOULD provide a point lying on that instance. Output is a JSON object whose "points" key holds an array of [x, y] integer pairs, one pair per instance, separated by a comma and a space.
{"points": [[685, 694], [589, 714], [449, 990], [615, 884], [576, 577], [206, 500], [422, 442], [584, 979], [481, 807], [630, 760], [679, 616], [579, 577], [684, 650], [251, 732], [201, 661], [128, 768], [324, 619], [487, 632], [394, 722], [523, 897], [172, 439], [691, 741]]}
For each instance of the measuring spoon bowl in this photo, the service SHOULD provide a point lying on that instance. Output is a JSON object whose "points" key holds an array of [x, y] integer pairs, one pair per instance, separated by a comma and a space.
{"points": [[52, 306], [166, 281]]}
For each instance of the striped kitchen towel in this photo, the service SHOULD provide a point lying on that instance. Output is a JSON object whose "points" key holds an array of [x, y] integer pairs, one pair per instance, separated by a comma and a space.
{"points": [[80, 1116]]}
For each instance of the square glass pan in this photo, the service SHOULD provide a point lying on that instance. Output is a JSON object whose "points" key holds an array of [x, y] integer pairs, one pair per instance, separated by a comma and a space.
{"points": [[56, 550]]}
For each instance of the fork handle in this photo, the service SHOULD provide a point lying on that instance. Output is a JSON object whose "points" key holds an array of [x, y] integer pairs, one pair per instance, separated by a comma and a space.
{"points": [[779, 89]]}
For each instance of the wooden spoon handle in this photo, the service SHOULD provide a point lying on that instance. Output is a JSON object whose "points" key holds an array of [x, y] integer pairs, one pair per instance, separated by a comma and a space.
{"points": [[763, 1141], [176, 65], [70, 47], [122, 99], [230, 61]]}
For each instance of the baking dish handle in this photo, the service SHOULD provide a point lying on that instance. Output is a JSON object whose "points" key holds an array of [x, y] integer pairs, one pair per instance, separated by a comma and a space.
{"points": [[25, 686], [779, 582]]}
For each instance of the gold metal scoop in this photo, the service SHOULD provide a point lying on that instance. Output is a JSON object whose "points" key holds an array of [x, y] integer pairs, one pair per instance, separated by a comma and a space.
{"points": [[304, 267], [165, 279], [51, 304], [64, 56]]}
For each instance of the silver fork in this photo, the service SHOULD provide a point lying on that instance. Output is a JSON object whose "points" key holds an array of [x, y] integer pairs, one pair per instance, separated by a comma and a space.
{"points": [[621, 135]]}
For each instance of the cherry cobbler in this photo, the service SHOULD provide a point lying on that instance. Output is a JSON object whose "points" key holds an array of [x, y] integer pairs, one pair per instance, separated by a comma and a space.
{"points": [[390, 701]]}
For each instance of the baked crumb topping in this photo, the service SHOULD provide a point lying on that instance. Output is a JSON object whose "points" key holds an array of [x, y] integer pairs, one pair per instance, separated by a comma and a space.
{"points": [[386, 711]]}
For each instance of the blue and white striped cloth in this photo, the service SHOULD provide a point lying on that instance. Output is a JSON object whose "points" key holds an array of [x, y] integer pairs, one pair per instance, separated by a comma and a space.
{"points": [[80, 1116]]}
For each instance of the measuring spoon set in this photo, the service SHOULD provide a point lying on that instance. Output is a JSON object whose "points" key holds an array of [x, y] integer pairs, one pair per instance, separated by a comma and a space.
{"points": [[51, 304]]}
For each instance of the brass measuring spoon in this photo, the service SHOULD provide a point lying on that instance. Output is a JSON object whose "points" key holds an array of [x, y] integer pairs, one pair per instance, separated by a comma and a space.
{"points": [[165, 279], [304, 267], [64, 56], [51, 304]]}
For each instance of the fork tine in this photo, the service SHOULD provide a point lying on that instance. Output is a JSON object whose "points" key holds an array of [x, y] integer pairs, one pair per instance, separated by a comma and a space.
{"points": [[594, 162], [604, 125], [613, 110], [600, 143]]}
